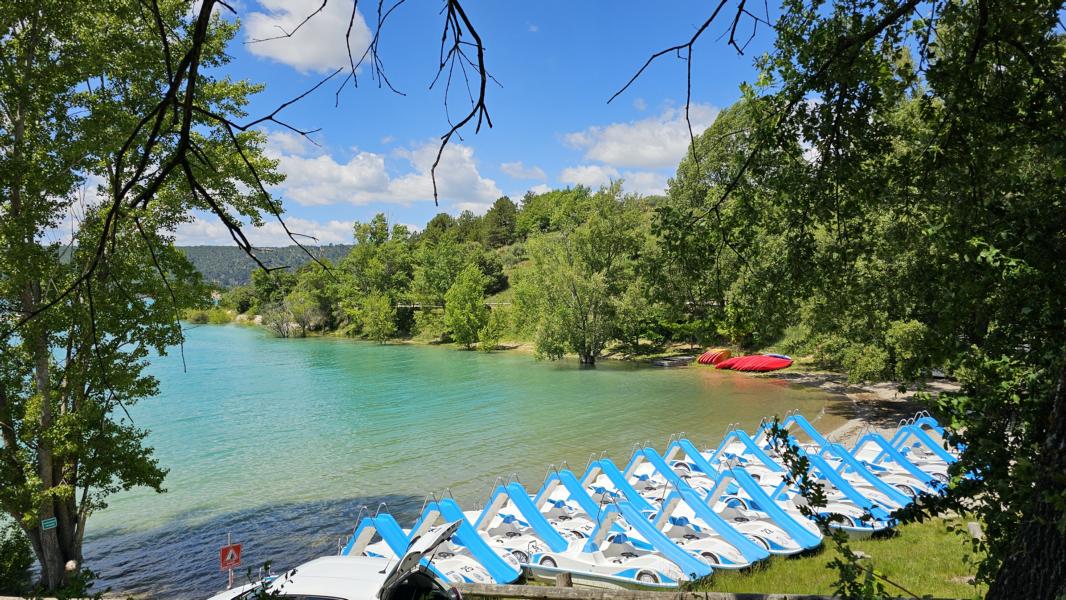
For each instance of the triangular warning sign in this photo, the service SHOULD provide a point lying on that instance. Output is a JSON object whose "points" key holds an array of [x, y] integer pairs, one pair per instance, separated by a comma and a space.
{"points": [[229, 556]]}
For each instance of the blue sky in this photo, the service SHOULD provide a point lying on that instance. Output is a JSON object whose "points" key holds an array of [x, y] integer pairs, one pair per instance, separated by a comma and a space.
{"points": [[558, 63]]}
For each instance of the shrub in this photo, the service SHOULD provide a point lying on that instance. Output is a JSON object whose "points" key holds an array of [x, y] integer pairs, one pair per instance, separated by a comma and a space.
{"points": [[492, 332], [908, 345], [219, 316], [240, 298], [796, 340], [513, 254], [197, 316], [16, 558], [278, 321], [429, 324], [378, 317], [865, 362], [828, 351]]}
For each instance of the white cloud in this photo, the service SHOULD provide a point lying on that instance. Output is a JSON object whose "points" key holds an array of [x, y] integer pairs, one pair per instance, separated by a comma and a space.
{"points": [[592, 176], [319, 44], [646, 183], [208, 230], [364, 178], [541, 189], [651, 143], [640, 104], [478, 208], [322, 180], [457, 175], [285, 142], [519, 171], [388, 139], [533, 28]]}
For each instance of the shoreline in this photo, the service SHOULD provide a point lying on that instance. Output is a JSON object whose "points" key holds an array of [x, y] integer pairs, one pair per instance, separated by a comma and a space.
{"points": [[879, 406]]}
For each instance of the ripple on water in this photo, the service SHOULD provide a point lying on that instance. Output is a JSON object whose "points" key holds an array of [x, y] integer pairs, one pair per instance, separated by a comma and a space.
{"points": [[261, 437], [180, 558]]}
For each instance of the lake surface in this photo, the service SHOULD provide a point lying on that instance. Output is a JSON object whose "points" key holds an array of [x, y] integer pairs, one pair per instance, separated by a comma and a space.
{"points": [[280, 442]]}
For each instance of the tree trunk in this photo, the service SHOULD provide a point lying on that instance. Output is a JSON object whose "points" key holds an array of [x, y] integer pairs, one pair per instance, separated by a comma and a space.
{"points": [[587, 359], [1035, 569], [46, 544]]}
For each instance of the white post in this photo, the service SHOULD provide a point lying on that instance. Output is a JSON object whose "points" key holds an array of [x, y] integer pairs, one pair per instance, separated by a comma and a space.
{"points": [[229, 541]]}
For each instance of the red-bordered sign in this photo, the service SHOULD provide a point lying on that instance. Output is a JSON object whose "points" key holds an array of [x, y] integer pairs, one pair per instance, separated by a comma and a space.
{"points": [[229, 556]]}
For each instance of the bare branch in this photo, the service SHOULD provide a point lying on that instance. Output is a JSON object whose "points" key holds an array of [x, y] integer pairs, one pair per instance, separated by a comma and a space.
{"points": [[289, 34], [455, 22]]}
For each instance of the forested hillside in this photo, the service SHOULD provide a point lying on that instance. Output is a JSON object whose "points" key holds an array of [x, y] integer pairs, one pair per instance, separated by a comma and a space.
{"points": [[228, 266]]}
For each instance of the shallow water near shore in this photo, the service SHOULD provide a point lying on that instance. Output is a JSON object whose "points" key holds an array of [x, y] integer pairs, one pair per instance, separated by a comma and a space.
{"points": [[279, 442]]}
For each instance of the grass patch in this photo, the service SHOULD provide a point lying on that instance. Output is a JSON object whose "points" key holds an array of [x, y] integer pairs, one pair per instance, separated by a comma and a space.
{"points": [[925, 558], [213, 316]]}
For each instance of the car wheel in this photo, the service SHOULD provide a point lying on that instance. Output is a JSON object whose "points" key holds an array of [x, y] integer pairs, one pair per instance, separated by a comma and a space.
{"points": [[548, 562], [647, 577], [762, 542], [520, 556]]}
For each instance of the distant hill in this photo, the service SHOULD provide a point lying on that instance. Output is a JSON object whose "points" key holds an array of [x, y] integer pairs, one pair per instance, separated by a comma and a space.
{"points": [[228, 266]]}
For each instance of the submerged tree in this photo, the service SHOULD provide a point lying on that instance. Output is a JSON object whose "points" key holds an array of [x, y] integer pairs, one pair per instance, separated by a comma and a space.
{"points": [[567, 298]]}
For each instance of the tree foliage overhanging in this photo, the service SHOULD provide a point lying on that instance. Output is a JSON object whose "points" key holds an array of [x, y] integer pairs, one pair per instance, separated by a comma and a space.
{"points": [[79, 319], [888, 197], [908, 166]]}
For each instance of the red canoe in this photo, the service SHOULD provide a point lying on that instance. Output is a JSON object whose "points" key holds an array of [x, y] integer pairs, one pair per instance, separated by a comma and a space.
{"points": [[755, 362], [713, 357]]}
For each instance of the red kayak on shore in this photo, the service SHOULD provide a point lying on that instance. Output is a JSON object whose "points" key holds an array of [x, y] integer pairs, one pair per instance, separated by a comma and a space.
{"points": [[755, 362], [713, 356]]}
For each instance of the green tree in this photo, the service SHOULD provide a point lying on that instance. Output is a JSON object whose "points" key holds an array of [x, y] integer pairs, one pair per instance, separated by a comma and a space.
{"points": [[924, 226], [490, 265], [498, 224], [270, 287], [437, 264], [305, 312], [240, 298], [496, 326], [378, 317], [381, 262], [719, 269], [320, 287], [78, 323], [440, 224], [468, 227], [567, 298], [540, 213], [636, 317], [16, 558], [465, 313]]}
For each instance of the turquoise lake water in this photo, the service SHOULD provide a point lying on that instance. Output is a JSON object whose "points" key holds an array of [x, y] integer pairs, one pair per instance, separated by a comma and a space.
{"points": [[280, 441]]}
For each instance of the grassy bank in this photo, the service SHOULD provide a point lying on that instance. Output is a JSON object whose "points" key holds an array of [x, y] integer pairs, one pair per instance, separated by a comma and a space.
{"points": [[925, 558]]}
